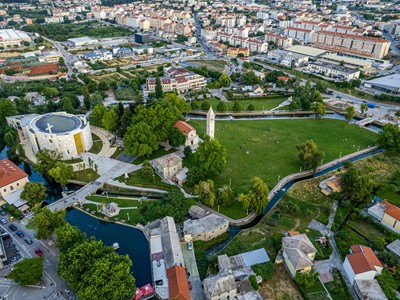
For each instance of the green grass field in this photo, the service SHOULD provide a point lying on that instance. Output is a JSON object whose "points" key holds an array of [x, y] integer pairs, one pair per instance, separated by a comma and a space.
{"points": [[267, 148], [86, 175], [136, 179], [97, 144], [261, 103]]}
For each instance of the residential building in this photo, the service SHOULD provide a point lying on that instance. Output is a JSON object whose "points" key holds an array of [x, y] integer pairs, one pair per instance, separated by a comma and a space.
{"points": [[96, 55], [333, 71], [220, 287], [191, 137], [394, 247], [387, 214], [177, 283], [331, 185], [167, 166], [13, 38], [350, 43], [299, 34], [177, 79], [234, 52], [12, 178], [361, 264], [204, 228], [298, 253], [166, 255], [369, 289]]}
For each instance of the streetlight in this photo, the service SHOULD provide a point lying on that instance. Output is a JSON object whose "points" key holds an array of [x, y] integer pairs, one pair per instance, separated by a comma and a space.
{"points": [[154, 179], [340, 155]]}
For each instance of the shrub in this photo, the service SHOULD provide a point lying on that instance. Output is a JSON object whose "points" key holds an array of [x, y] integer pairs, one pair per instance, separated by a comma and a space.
{"points": [[253, 282]]}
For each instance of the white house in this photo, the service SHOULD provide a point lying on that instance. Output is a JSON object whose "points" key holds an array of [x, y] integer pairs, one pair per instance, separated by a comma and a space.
{"points": [[361, 264]]}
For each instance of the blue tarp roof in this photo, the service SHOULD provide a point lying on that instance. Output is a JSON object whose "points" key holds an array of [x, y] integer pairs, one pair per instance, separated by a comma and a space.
{"points": [[255, 257]]}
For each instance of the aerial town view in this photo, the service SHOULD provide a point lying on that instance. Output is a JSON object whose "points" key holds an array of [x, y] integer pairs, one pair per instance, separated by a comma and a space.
{"points": [[204, 150]]}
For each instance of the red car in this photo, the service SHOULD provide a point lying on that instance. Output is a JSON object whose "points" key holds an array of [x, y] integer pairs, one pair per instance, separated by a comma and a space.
{"points": [[38, 252]]}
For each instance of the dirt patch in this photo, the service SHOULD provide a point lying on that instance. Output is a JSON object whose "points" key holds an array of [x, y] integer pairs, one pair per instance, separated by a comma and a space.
{"points": [[297, 224], [280, 286]]}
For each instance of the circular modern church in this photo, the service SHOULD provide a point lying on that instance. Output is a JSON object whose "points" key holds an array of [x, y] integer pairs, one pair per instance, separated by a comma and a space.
{"points": [[64, 133]]}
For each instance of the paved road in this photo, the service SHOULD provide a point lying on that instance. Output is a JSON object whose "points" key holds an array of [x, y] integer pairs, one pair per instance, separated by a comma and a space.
{"points": [[51, 283], [393, 46]]}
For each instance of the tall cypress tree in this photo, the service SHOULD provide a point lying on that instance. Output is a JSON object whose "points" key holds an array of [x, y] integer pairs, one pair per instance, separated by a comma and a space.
{"points": [[159, 90]]}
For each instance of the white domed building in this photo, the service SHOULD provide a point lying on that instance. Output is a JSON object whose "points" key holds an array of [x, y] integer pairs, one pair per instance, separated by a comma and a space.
{"points": [[64, 133]]}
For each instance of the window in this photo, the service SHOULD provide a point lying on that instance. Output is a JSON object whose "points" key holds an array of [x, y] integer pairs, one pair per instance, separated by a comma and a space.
{"points": [[17, 184], [5, 190], [50, 140]]}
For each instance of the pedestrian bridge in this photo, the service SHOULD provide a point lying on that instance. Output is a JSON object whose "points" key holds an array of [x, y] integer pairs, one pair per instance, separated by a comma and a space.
{"points": [[365, 121]]}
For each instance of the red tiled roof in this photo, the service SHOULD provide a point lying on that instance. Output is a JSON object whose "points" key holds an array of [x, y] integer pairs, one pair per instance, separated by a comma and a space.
{"points": [[10, 172], [177, 283], [392, 210], [184, 127], [363, 259]]}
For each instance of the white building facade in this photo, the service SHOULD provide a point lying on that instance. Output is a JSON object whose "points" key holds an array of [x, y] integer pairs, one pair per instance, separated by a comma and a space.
{"points": [[66, 134]]}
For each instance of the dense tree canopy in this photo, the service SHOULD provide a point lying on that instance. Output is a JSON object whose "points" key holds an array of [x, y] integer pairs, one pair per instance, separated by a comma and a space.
{"points": [[257, 198], [61, 172], [108, 278], [357, 186], [173, 204], [350, 113], [309, 155], [210, 157], [45, 222], [389, 137], [28, 271], [34, 192], [68, 236], [46, 160], [206, 192]]}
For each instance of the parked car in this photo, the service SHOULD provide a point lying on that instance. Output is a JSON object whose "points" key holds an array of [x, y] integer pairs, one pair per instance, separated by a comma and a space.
{"points": [[11, 218], [38, 252], [3, 213], [190, 245], [28, 240], [20, 234], [13, 227], [3, 221]]}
